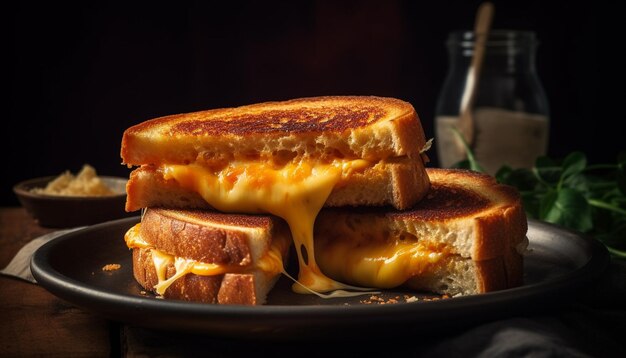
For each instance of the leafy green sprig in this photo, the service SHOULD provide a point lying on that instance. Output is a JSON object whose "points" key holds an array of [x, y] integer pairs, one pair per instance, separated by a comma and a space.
{"points": [[571, 193]]}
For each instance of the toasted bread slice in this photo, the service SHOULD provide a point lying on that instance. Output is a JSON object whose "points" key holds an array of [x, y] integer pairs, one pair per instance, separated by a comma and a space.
{"points": [[317, 127], [207, 256], [230, 288], [465, 237], [375, 146], [388, 182]]}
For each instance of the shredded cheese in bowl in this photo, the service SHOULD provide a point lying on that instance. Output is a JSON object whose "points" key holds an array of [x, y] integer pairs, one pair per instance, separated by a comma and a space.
{"points": [[86, 183]]}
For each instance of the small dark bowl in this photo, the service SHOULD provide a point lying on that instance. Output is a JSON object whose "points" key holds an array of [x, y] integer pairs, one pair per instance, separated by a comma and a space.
{"points": [[70, 211]]}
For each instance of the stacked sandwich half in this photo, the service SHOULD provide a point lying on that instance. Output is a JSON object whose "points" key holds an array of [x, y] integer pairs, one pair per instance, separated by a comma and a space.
{"points": [[228, 191]]}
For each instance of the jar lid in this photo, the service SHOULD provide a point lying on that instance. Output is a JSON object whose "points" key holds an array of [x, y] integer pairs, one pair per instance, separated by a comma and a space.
{"points": [[496, 38]]}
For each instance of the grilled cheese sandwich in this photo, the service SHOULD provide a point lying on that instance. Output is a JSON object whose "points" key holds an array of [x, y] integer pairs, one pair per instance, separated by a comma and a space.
{"points": [[271, 263], [208, 256], [338, 151]]}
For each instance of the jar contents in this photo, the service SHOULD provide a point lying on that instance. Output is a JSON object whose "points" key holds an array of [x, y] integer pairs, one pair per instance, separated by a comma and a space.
{"points": [[502, 137]]}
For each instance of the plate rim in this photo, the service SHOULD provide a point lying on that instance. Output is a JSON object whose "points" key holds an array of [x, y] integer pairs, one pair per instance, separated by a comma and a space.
{"points": [[64, 286]]}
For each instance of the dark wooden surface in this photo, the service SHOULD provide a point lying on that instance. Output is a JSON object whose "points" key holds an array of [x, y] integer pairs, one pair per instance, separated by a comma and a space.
{"points": [[34, 322]]}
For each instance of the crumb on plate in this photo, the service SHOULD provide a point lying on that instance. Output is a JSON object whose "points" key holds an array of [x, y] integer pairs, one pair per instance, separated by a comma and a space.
{"points": [[111, 267]]}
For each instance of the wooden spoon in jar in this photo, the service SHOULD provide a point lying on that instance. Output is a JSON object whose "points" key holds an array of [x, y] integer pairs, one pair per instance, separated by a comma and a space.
{"points": [[482, 25]]}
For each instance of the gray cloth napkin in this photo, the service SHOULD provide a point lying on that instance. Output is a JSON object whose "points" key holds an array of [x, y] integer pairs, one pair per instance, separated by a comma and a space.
{"points": [[19, 267]]}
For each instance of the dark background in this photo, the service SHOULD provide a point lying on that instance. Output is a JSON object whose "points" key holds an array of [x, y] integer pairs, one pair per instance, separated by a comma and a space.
{"points": [[79, 75]]}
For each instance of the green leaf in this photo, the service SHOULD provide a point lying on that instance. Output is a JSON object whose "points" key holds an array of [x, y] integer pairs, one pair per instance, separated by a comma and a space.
{"points": [[607, 206], [544, 162], [547, 171], [573, 164], [503, 173], [531, 204], [573, 194], [568, 208], [546, 203], [522, 179], [617, 253], [472, 163], [581, 183], [526, 183]]}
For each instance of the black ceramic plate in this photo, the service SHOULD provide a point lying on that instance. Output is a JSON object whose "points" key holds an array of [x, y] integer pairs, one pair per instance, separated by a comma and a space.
{"points": [[557, 264]]}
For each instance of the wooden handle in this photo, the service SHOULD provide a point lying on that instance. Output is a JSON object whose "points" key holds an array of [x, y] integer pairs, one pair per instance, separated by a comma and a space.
{"points": [[482, 25]]}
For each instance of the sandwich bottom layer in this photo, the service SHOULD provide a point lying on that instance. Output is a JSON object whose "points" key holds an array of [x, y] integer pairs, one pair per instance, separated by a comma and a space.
{"points": [[247, 288], [451, 274], [457, 276]]}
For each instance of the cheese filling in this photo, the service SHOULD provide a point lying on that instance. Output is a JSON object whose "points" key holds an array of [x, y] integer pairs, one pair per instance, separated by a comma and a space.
{"points": [[376, 263], [271, 263], [295, 192]]}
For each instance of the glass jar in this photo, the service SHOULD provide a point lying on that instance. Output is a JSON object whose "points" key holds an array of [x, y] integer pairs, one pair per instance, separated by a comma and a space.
{"points": [[510, 109]]}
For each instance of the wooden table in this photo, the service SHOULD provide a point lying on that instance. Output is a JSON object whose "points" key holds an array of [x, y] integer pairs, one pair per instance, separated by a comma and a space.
{"points": [[35, 322]]}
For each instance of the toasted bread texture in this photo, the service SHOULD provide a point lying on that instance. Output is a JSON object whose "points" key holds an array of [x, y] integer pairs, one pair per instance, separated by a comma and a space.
{"points": [[240, 243], [343, 126], [230, 288], [474, 227], [386, 133]]}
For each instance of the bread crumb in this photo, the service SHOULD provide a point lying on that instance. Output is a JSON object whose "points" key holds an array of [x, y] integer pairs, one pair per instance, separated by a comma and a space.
{"points": [[111, 267], [374, 299]]}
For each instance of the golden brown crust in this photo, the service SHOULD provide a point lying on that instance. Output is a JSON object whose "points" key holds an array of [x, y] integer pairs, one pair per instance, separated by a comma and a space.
{"points": [[458, 276], [516, 229], [461, 193], [492, 275], [354, 126], [238, 289], [221, 289], [212, 237], [202, 217], [399, 183], [193, 239]]}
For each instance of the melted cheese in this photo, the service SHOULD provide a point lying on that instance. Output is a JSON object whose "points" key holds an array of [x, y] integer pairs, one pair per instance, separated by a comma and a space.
{"points": [[134, 240], [271, 263], [376, 263], [295, 192]]}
